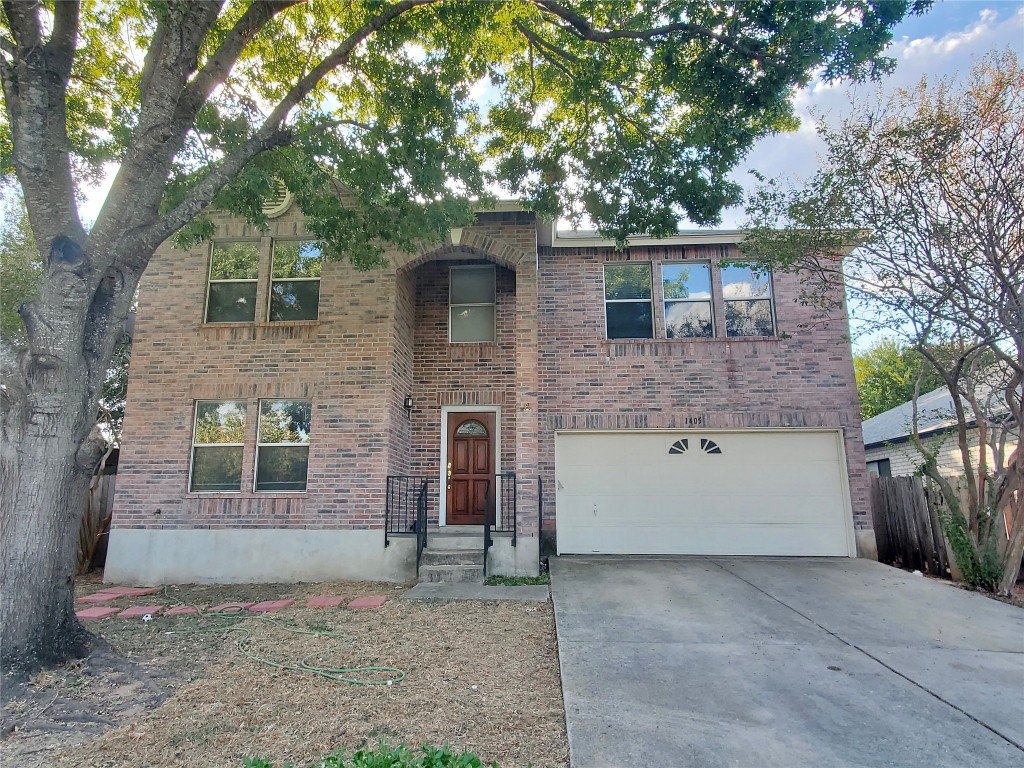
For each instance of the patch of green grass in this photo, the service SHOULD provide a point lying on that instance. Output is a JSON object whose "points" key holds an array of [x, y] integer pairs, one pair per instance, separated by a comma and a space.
{"points": [[388, 757], [518, 581]]}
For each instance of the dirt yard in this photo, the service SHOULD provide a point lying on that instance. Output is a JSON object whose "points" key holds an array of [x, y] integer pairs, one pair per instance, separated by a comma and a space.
{"points": [[481, 677]]}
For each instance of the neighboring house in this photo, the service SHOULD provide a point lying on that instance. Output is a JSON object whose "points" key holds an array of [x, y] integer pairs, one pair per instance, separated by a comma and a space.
{"points": [[285, 410], [889, 450]]}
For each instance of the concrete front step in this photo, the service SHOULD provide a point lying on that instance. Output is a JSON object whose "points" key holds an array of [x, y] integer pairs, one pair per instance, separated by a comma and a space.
{"points": [[450, 542], [451, 574], [433, 556]]}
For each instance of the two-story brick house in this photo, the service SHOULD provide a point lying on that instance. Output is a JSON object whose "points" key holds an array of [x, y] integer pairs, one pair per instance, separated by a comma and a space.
{"points": [[285, 411]]}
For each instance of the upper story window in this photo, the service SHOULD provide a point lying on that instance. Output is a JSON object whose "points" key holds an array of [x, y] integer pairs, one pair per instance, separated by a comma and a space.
{"points": [[218, 436], [234, 273], [282, 445], [627, 301], [687, 293], [471, 304], [235, 279], [748, 301], [295, 281]]}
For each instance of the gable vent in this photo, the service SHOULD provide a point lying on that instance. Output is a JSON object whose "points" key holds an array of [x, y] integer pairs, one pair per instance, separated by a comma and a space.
{"points": [[679, 446], [278, 202], [709, 446]]}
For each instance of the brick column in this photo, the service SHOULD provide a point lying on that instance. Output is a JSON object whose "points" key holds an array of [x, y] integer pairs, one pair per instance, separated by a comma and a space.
{"points": [[527, 385]]}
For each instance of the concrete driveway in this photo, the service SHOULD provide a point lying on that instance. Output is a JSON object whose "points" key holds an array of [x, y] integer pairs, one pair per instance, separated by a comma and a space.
{"points": [[783, 662]]}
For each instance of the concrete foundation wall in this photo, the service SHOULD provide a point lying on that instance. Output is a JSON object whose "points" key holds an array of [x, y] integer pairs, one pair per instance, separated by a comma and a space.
{"points": [[520, 560], [151, 557]]}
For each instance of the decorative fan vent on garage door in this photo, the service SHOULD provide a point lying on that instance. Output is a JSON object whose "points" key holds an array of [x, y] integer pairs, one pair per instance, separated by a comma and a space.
{"points": [[683, 445]]}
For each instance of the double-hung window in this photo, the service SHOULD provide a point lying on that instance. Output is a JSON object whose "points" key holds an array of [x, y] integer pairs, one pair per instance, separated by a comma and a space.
{"points": [[234, 274], [282, 445], [687, 294], [749, 307], [295, 281], [471, 304], [627, 301], [218, 436]]}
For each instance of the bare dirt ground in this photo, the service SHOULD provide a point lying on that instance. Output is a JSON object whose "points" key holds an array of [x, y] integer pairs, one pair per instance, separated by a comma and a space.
{"points": [[480, 676]]}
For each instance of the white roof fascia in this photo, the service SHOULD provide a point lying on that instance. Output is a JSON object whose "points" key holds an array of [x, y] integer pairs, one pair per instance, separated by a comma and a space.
{"points": [[590, 239]]}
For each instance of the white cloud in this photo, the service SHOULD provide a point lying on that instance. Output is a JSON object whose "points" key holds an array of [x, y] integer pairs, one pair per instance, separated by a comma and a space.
{"points": [[795, 156]]}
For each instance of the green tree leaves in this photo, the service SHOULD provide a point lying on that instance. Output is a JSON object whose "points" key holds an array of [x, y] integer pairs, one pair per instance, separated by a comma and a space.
{"points": [[887, 374]]}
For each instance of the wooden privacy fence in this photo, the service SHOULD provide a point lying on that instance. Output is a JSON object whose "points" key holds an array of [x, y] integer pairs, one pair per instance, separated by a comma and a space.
{"points": [[907, 528], [92, 535]]}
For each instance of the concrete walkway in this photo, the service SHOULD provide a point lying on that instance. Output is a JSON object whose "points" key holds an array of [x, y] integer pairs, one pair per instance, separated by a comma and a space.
{"points": [[526, 594], [783, 662]]}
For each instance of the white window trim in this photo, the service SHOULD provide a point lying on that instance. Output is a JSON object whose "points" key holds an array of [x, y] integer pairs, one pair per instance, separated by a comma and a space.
{"points": [[710, 300], [192, 449], [210, 281], [494, 330], [256, 459], [446, 411], [607, 301], [270, 289]]}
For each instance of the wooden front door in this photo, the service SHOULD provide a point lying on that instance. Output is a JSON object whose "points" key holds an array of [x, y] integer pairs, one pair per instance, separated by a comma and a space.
{"points": [[470, 466]]}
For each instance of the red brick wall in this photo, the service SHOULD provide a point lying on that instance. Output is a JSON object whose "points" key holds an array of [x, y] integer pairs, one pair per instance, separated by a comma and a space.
{"points": [[382, 335], [802, 379], [342, 361], [463, 375]]}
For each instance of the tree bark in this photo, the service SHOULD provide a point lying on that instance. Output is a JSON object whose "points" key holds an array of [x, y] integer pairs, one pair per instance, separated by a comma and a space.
{"points": [[43, 491], [49, 449]]}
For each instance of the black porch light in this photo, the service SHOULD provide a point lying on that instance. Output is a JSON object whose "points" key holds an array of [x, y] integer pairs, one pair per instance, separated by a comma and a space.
{"points": [[408, 404]]}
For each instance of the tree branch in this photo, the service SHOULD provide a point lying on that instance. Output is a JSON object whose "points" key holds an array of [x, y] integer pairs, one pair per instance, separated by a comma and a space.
{"points": [[338, 57], [202, 194], [217, 67], [65, 29], [586, 31], [7, 46], [271, 133], [540, 42], [24, 21], [153, 55]]}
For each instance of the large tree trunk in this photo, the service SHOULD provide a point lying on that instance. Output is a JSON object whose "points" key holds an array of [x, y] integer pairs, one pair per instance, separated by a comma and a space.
{"points": [[50, 446], [42, 494]]}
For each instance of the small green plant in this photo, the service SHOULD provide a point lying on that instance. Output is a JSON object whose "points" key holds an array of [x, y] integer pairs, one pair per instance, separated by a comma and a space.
{"points": [[517, 581], [385, 756]]}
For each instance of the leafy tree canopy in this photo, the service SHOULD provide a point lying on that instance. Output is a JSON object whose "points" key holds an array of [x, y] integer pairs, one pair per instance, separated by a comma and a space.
{"points": [[631, 114], [887, 374]]}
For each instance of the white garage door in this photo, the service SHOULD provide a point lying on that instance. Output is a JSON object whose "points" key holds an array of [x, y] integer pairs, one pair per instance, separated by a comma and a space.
{"points": [[702, 493]]}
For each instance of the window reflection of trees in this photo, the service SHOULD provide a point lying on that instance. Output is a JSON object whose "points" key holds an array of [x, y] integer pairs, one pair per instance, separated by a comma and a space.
{"points": [[217, 451], [295, 281], [282, 460]]}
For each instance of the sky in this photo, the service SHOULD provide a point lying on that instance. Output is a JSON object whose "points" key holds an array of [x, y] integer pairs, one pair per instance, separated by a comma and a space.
{"points": [[943, 42]]}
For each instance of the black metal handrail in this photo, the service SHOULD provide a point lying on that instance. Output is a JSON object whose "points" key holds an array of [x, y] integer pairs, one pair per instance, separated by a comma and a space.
{"points": [[489, 513], [421, 524], [540, 520], [503, 515], [400, 505]]}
